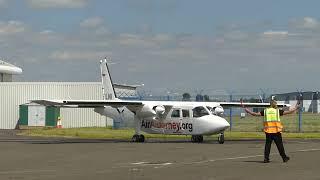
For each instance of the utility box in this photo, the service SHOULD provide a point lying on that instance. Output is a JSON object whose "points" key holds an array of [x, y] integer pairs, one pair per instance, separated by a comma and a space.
{"points": [[35, 115]]}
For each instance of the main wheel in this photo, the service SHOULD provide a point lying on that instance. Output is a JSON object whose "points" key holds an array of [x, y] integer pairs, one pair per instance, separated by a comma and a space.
{"points": [[141, 138], [138, 138], [221, 138], [135, 138], [193, 138], [197, 138]]}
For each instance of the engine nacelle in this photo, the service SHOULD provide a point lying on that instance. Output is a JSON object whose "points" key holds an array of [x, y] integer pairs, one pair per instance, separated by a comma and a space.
{"points": [[151, 111], [160, 110], [146, 111], [218, 110]]}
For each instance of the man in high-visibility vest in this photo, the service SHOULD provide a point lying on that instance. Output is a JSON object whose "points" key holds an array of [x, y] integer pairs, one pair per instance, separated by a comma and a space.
{"points": [[273, 128]]}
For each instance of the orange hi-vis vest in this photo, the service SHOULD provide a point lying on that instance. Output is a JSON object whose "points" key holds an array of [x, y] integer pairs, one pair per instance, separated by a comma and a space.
{"points": [[271, 121]]}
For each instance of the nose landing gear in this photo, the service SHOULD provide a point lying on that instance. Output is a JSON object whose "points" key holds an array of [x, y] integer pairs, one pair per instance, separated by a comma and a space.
{"points": [[221, 138]]}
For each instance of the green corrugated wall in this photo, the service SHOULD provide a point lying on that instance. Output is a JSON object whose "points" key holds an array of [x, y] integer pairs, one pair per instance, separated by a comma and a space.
{"points": [[23, 115], [52, 114]]}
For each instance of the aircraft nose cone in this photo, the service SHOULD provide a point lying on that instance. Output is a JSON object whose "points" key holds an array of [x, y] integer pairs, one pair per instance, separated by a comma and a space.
{"points": [[216, 124], [223, 124]]}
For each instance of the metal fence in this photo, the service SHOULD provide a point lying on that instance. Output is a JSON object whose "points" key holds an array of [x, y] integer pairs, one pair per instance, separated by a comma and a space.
{"points": [[296, 122], [307, 119]]}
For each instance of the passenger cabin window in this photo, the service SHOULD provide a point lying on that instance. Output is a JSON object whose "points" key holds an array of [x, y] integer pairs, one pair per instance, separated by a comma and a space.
{"points": [[199, 111], [175, 113], [185, 113]]}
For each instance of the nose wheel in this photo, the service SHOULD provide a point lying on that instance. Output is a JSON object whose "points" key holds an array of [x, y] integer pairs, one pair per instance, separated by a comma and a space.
{"points": [[138, 138], [221, 138], [197, 138]]}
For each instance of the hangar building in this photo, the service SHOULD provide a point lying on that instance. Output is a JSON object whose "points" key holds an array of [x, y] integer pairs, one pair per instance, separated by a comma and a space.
{"points": [[310, 100], [14, 94], [7, 70]]}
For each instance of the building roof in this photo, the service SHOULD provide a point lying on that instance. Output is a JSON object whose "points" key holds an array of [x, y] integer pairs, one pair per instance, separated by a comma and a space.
{"points": [[306, 95], [7, 68]]}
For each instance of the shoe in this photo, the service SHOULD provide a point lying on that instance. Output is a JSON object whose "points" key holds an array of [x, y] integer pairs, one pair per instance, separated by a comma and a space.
{"points": [[266, 161], [286, 159]]}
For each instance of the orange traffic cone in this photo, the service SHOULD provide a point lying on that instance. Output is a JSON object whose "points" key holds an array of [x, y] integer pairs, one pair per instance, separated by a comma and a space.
{"points": [[59, 124]]}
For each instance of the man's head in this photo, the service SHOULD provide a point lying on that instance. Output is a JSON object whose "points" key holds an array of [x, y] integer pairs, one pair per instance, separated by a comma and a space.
{"points": [[273, 104]]}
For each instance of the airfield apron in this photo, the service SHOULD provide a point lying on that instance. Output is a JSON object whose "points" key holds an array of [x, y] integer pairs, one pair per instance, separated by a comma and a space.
{"points": [[271, 121]]}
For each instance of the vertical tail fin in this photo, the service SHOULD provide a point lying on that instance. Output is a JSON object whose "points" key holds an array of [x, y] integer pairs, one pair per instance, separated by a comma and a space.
{"points": [[107, 84]]}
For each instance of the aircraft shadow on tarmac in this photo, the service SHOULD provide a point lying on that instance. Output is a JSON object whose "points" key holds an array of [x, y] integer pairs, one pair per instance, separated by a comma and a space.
{"points": [[85, 141], [253, 162], [55, 140], [76, 141]]}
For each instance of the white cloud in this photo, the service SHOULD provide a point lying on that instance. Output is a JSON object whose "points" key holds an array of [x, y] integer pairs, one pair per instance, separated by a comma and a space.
{"points": [[71, 55], [236, 35], [3, 3], [57, 3], [92, 22], [305, 23], [46, 32], [243, 70], [275, 33], [240, 52], [162, 38], [134, 40], [11, 27], [279, 34], [309, 22]]}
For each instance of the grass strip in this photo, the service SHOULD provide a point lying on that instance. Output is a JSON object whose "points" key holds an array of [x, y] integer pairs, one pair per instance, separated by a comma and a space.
{"points": [[126, 134]]}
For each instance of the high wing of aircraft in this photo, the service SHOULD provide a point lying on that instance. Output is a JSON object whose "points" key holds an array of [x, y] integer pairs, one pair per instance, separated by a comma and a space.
{"points": [[159, 117]]}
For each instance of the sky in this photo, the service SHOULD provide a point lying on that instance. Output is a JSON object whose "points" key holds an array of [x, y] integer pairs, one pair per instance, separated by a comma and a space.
{"points": [[167, 45]]}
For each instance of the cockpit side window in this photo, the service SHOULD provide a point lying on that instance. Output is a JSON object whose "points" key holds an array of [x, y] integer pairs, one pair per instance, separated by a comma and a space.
{"points": [[199, 111], [185, 113], [175, 113]]}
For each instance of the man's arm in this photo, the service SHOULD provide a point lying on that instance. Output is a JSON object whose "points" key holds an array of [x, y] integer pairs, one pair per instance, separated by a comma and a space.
{"points": [[292, 110], [252, 113]]}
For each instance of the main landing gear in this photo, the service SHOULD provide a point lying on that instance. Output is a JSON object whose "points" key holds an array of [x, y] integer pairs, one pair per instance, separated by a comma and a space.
{"points": [[221, 138], [138, 138], [197, 138]]}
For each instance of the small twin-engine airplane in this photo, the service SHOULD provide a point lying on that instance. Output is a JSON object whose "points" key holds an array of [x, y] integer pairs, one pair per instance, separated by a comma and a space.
{"points": [[159, 117]]}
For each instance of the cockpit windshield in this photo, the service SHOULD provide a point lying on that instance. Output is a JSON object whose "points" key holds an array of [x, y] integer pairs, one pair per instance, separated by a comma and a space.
{"points": [[210, 109], [199, 111]]}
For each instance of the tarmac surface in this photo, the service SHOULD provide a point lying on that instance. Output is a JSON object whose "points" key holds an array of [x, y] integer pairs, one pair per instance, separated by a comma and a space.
{"points": [[74, 159]]}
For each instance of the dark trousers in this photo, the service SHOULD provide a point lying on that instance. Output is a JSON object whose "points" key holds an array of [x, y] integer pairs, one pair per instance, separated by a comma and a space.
{"points": [[277, 138]]}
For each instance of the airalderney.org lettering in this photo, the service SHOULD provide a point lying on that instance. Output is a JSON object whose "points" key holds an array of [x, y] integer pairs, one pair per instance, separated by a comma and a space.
{"points": [[177, 126]]}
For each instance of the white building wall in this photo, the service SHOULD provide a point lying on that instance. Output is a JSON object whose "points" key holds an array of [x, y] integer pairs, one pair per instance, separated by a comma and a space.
{"points": [[15, 93], [308, 105], [5, 77]]}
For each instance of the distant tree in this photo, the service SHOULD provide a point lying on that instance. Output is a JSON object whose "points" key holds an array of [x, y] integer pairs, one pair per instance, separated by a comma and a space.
{"points": [[206, 98], [254, 100], [199, 97], [186, 97]]}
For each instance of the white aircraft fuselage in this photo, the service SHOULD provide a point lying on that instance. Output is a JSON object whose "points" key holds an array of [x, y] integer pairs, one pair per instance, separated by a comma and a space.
{"points": [[182, 119]]}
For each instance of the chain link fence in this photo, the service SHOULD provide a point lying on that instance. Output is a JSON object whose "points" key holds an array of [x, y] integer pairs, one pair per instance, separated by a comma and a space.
{"points": [[307, 119]]}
